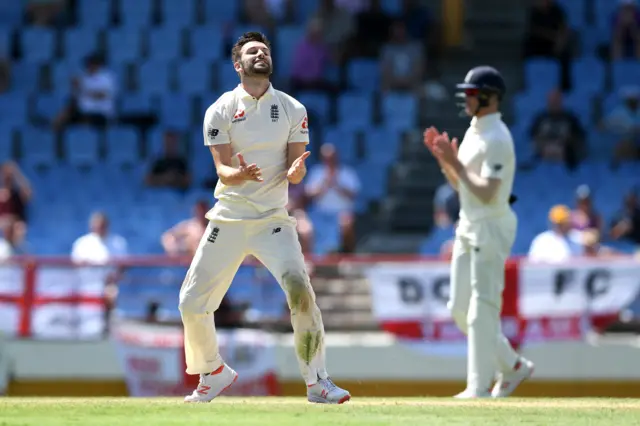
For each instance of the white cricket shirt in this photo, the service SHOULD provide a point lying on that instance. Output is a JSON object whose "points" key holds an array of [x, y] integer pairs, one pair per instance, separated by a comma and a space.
{"points": [[260, 130], [487, 150]]}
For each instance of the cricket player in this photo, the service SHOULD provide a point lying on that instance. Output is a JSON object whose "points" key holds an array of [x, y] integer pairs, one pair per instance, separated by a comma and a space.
{"points": [[482, 171], [257, 136]]}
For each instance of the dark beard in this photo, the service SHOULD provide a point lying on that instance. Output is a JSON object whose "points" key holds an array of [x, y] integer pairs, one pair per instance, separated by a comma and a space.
{"points": [[250, 70]]}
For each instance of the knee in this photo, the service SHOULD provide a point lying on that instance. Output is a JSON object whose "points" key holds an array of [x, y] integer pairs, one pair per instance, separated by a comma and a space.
{"points": [[299, 293]]}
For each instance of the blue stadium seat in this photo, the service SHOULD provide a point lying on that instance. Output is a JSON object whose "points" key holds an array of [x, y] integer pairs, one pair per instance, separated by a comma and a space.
{"points": [[37, 44], [392, 7], [25, 77], [178, 14], [227, 76], [541, 74], [588, 75], [581, 103], [363, 75], [95, 14], [136, 14], [317, 104], [527, 105], [328, 240], [45, 154], [48, 106], [610, 102], [287, 38], [61, 75], [304, 10], [218, 12], [14, 108], [176, 111], [81, 146], [373, 177], [355, 111], [155, 142], [345, 143], [124, 45], [6, 147], [10, 13], [576, 12], [625, 73], [165, 44], [5, 42], [123, 146], [382, 145], [603, 13], [136, 104], [153, 77], [78, 43], [400, 111], [194, 76], [206, 43]]}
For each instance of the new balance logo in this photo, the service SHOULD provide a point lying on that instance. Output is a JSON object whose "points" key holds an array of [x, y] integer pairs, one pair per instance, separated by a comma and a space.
{"points": [[213, 235], [276, 230], [203, 390], [324, 393]]}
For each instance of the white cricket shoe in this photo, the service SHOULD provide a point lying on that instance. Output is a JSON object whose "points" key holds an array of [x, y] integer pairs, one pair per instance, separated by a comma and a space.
{"points": [[469, 394], [324, 391], [212, 385], [508, 382]]}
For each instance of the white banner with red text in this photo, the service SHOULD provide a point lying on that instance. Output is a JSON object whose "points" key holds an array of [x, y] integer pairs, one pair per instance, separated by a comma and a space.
{"points": [[152, 358], [541, 303]]}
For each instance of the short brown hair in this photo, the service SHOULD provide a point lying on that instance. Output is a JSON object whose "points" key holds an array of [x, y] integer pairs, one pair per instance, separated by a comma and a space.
{"points": [[246, 38]]}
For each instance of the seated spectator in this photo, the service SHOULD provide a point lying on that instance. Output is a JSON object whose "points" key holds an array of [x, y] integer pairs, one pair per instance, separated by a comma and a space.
{"points": [[402, 61], [338, 27], [626, 225], [372, 33], [172, 169], [184, 238], [584, 216], [548, 36], [558, 244], [304, 226], [446, 206], [99, 245], [625, 39], [13, 241], [92, 97], [418, 22], [15, 193], [310, 61], [332, 188], [624, 122], [44, 12], [593, 247], [557, 133]]}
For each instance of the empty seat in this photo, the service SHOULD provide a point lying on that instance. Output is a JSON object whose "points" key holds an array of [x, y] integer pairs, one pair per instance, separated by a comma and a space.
{"points": [[345, 143], [124, 45], [5, 42], [81, 146], [165, 44], [47, 106], [216, 11], [6, 147], [13, 108], [575, 11], [603, 13], [123, 146], [95, 14], [542, 74], [317, 104], [37, 147], [153, 77], [176, 111], [136, 104], [581, 104], [382, 145], [588, 75], [625, 73], [136, 14], [355, 111], [284, 48], [227, 76], [194, 76], [178, 14], [363, 75], [25, 77], [78, 43], [206, 43], [11, 13], [400, 111], [37, 44], [305, 9]]}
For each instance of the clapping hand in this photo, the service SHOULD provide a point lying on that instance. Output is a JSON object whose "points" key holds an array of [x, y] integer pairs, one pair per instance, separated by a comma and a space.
{"points": [[249, 172]]}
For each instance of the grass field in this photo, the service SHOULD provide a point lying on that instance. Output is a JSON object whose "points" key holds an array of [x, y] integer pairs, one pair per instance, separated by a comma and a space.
{"points": [[296, 411]]}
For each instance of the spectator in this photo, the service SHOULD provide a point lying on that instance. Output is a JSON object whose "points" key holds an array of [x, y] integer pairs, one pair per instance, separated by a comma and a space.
{"points": [[93, 96], [171, 170], [304, 226], [15, 193], [372, 25], [548, 36], [625, 40], [338, 27], [626, 225], [558, 244], [99, 245], [593, 247], [44, 12], [184, 238], [13, 241], [624, 122], [332, 188], [418, 22], [310, 61], [585, 217], [557, 133], [446, 206], [402, 61]]}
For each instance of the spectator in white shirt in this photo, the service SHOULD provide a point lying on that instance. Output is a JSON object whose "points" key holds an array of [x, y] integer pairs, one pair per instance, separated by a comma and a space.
{"points": [[332, 188], [558, 244], [93, 96], [99, 245]]}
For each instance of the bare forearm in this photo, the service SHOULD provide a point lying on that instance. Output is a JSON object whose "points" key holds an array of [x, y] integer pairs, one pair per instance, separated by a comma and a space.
{"points": [[478, 186], [451, 176]]}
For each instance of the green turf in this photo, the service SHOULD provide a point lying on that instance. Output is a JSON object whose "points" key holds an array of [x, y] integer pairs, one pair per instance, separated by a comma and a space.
{"points": [[296, 411]]}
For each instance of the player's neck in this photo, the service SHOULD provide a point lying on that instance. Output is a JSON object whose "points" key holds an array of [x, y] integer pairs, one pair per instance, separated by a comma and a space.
{"points": [[485, 112], [255, 87]]}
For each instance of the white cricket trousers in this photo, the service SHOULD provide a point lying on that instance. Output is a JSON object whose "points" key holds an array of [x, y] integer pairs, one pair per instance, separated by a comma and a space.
{"points": [[223, 247], [477, 281]]}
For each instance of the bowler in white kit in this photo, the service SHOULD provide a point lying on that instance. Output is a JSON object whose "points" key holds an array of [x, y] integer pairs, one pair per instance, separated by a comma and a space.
{"points": [[257, 136], [482, 171]]}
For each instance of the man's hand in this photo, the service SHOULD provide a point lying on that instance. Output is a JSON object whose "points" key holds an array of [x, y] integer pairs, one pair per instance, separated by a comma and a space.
{"points": [[446, 150], [298, 169], [248, 172]]}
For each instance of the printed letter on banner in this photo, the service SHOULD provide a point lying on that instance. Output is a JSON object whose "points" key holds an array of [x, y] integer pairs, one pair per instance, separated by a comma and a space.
{"points": [[560, 301]]}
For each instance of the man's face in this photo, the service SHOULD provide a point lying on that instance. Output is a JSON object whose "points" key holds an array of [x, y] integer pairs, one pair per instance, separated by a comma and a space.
{"points": [[471, 105], [99, 224], [255, 60]]}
